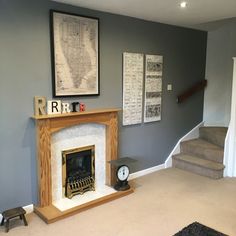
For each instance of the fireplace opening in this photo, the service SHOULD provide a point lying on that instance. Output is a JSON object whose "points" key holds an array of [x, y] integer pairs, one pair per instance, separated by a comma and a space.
{"points": [[78, 170]]}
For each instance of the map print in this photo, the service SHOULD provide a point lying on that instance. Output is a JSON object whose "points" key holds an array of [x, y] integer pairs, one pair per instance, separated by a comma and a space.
{"points": [[76, 55]]}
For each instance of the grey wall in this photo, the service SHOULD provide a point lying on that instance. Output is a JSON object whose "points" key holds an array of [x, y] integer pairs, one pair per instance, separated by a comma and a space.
{"points": [[25, 71], [221, 47]]}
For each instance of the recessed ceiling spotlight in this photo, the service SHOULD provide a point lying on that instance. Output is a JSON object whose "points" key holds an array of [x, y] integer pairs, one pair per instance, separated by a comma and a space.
{"points": [[183, 4]]}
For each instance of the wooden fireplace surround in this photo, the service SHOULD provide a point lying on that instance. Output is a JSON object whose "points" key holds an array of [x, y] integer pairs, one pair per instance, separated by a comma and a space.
{"points": [[46, 125]]}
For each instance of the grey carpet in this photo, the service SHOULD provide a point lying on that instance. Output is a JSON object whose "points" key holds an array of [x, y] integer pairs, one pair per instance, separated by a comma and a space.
{"points": [[197, 229]]}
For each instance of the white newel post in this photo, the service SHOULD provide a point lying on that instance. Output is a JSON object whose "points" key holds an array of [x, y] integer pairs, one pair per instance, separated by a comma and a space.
{"points": [[230, 141]]}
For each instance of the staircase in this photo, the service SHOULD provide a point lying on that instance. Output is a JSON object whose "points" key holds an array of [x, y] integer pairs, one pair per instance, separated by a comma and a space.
{"points": [[203, 156]]}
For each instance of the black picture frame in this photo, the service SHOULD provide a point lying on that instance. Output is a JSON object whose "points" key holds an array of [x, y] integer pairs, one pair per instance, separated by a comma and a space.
{"points": [[74, 54]]}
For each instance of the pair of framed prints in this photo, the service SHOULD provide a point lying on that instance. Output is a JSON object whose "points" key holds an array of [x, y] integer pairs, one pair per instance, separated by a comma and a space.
{"points": [[135, 82]]}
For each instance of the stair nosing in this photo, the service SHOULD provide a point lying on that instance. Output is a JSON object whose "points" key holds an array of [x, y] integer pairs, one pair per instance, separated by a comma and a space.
{"points": [[197, 164], [205, 141]]}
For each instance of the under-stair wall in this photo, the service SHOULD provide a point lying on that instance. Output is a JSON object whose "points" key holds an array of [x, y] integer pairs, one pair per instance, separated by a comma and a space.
{"points": [[194, 133]]}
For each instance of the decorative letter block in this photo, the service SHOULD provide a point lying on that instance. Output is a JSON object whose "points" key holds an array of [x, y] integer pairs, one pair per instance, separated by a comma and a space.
{"points": [[74, 104], [39, 106], [81, 107], [54, 107], [65, 107]]}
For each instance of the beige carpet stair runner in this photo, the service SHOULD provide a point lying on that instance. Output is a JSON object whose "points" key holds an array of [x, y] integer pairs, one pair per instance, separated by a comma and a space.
{"points": [[203, 156]]}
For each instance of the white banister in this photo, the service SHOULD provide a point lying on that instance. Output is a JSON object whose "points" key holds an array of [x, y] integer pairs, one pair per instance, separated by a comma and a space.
{"points": [[230, 141]]}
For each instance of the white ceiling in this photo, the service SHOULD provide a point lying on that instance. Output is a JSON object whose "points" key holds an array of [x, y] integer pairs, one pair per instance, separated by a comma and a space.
{"points": [[165, 11]]}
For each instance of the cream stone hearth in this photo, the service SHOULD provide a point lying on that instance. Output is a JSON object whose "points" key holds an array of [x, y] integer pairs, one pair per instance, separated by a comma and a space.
{"points": [[56, 133]]}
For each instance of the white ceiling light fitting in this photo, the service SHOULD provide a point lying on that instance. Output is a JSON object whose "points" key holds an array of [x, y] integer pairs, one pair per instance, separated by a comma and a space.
{"points": [[183, 4]]}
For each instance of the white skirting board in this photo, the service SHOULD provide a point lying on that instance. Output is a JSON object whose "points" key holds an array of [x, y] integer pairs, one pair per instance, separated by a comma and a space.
{"points": [[146, 171], [194, 133], [28, 209]]}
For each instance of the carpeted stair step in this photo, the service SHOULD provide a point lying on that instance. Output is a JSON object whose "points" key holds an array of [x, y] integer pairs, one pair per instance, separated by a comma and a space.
{"points": [[198, 165], [203, 149], [215, 135]]}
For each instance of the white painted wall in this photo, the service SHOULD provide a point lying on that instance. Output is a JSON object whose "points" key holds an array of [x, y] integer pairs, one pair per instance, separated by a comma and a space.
{"points": [[221, 47]]}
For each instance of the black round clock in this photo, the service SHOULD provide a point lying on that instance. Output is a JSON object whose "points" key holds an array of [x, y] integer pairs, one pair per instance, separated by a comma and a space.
{"points": [[122, 174]]}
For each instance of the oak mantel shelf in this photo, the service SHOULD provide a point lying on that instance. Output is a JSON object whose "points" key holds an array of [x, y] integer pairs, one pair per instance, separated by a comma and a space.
{"points": [[89, 112]]}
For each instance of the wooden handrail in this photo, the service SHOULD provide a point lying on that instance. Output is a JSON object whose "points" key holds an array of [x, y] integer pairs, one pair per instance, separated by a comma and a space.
{"points": [[189, 92]]}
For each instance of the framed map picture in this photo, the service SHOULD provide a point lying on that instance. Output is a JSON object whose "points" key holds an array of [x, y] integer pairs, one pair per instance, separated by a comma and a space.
{"points": [[75, 54]]}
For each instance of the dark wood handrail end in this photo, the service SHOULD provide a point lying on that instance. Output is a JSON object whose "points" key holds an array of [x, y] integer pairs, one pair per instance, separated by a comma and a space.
{"points": [[189, 92]]}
